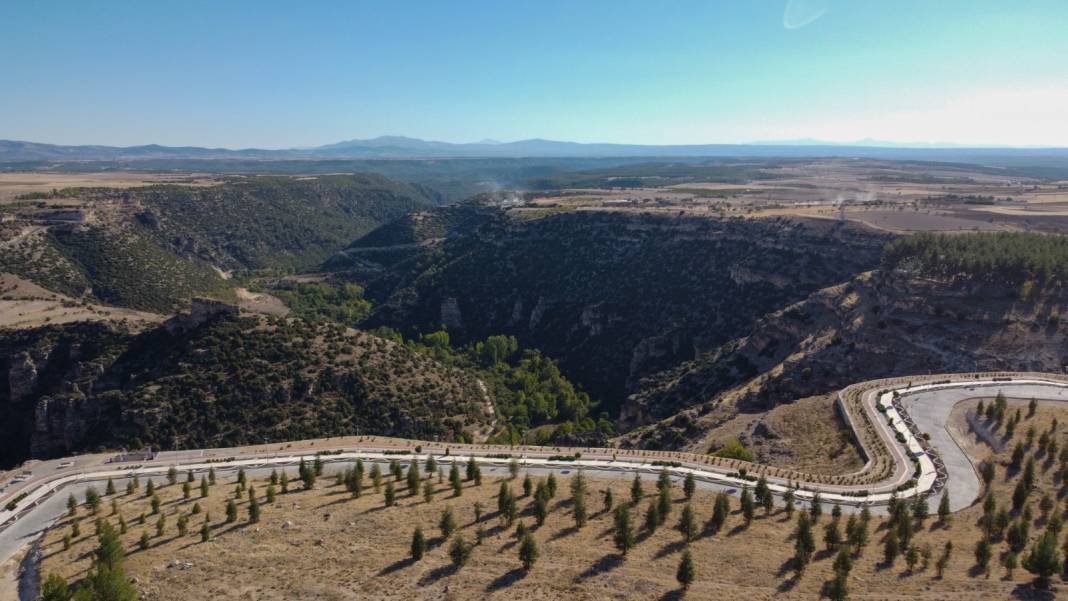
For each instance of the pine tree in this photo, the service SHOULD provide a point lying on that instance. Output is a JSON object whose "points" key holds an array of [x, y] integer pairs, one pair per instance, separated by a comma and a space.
{"points": [[912, 556], [982, 555], [418, 547], [186, 490], [748, 507], [838, 587], [150, 488], [204, 488], [447, 523], [721, 510], [528, 485], [623, 531], [205, 532], [943, 560], [609, 501], [478, 511], [528, 552], [541, 505], [172, 475], [687, 524], [689, 485], [183, 525], [144, 541], [55, 588], [685, 573], [284, 481], [72, 505], [578, 499], [155, 504], [454, 480], [944, 515], [431, 464], [636, 490], [1043, 560], [804, 543], [253, 511], [92, 500], [459, 551], [428, 491], [652, 517], [788, 499], [413, 479], [472, 468], [231, 511], [550, 484], [815, 507], [270, 493], [376, 477], [513, 469], [317, 466], [211, 476], [891, 547], [109, 489], [161, 525], [663, 503], [832, 536], [390, 496]]}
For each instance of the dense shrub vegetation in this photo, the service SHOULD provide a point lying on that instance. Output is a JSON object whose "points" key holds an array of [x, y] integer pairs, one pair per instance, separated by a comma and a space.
{"points": [[996, 257], [127, 268], [319, 301]]}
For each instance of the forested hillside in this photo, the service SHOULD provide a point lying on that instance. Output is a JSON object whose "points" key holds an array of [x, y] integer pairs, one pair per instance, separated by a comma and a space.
{"points": [[156, 247], [222, 380], [614, 297]]}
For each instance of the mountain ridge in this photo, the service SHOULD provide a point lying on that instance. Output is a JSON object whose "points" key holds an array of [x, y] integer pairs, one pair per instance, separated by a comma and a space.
{"points": [[407, 147]]}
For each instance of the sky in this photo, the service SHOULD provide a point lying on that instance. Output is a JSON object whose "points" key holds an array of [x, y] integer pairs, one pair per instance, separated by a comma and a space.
{"points": [[295, 74]]}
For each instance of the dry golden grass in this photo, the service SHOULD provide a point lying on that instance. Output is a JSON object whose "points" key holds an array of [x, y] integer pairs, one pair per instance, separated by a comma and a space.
{"points": [[344, 548]]}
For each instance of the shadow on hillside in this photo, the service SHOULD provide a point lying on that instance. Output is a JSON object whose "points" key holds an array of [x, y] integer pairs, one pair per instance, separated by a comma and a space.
{"points": [[396, 566], [437, 574], [670, 548], [673, 595], [601, 566], [564, 533], [506, 580]]}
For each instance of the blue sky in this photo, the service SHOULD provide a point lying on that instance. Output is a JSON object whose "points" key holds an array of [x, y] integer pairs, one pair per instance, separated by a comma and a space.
{"points": [[281, 74]]}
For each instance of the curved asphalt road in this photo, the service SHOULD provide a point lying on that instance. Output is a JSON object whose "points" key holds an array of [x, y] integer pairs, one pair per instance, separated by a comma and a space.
{"points": [[929, 405]]}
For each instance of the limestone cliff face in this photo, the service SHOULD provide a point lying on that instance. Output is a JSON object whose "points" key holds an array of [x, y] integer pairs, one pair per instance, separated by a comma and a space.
{"points": [[876, 325]]}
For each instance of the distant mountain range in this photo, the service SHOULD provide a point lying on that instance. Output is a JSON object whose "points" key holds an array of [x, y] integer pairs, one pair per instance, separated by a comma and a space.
{"points": [[399, 147]]}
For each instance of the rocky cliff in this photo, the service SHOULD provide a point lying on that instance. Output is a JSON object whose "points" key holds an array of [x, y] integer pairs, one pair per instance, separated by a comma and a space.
{"points": [[878, 324]]}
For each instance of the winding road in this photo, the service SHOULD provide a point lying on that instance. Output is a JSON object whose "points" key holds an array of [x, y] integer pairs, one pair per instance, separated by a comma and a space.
{"points": [[900, 424]]}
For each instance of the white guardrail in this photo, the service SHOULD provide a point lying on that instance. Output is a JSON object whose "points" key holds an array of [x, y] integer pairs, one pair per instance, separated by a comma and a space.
{"points": [[876, 494]]}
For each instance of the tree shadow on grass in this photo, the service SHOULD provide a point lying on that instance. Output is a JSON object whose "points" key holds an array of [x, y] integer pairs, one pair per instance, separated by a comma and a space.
{"points": [[564, 533], [673, 595], [670, 548], [396, 566], [601, 566], [506, 580], [788, 585], [785, 567], [740, 528], [1029, 592], [437, 574]]}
